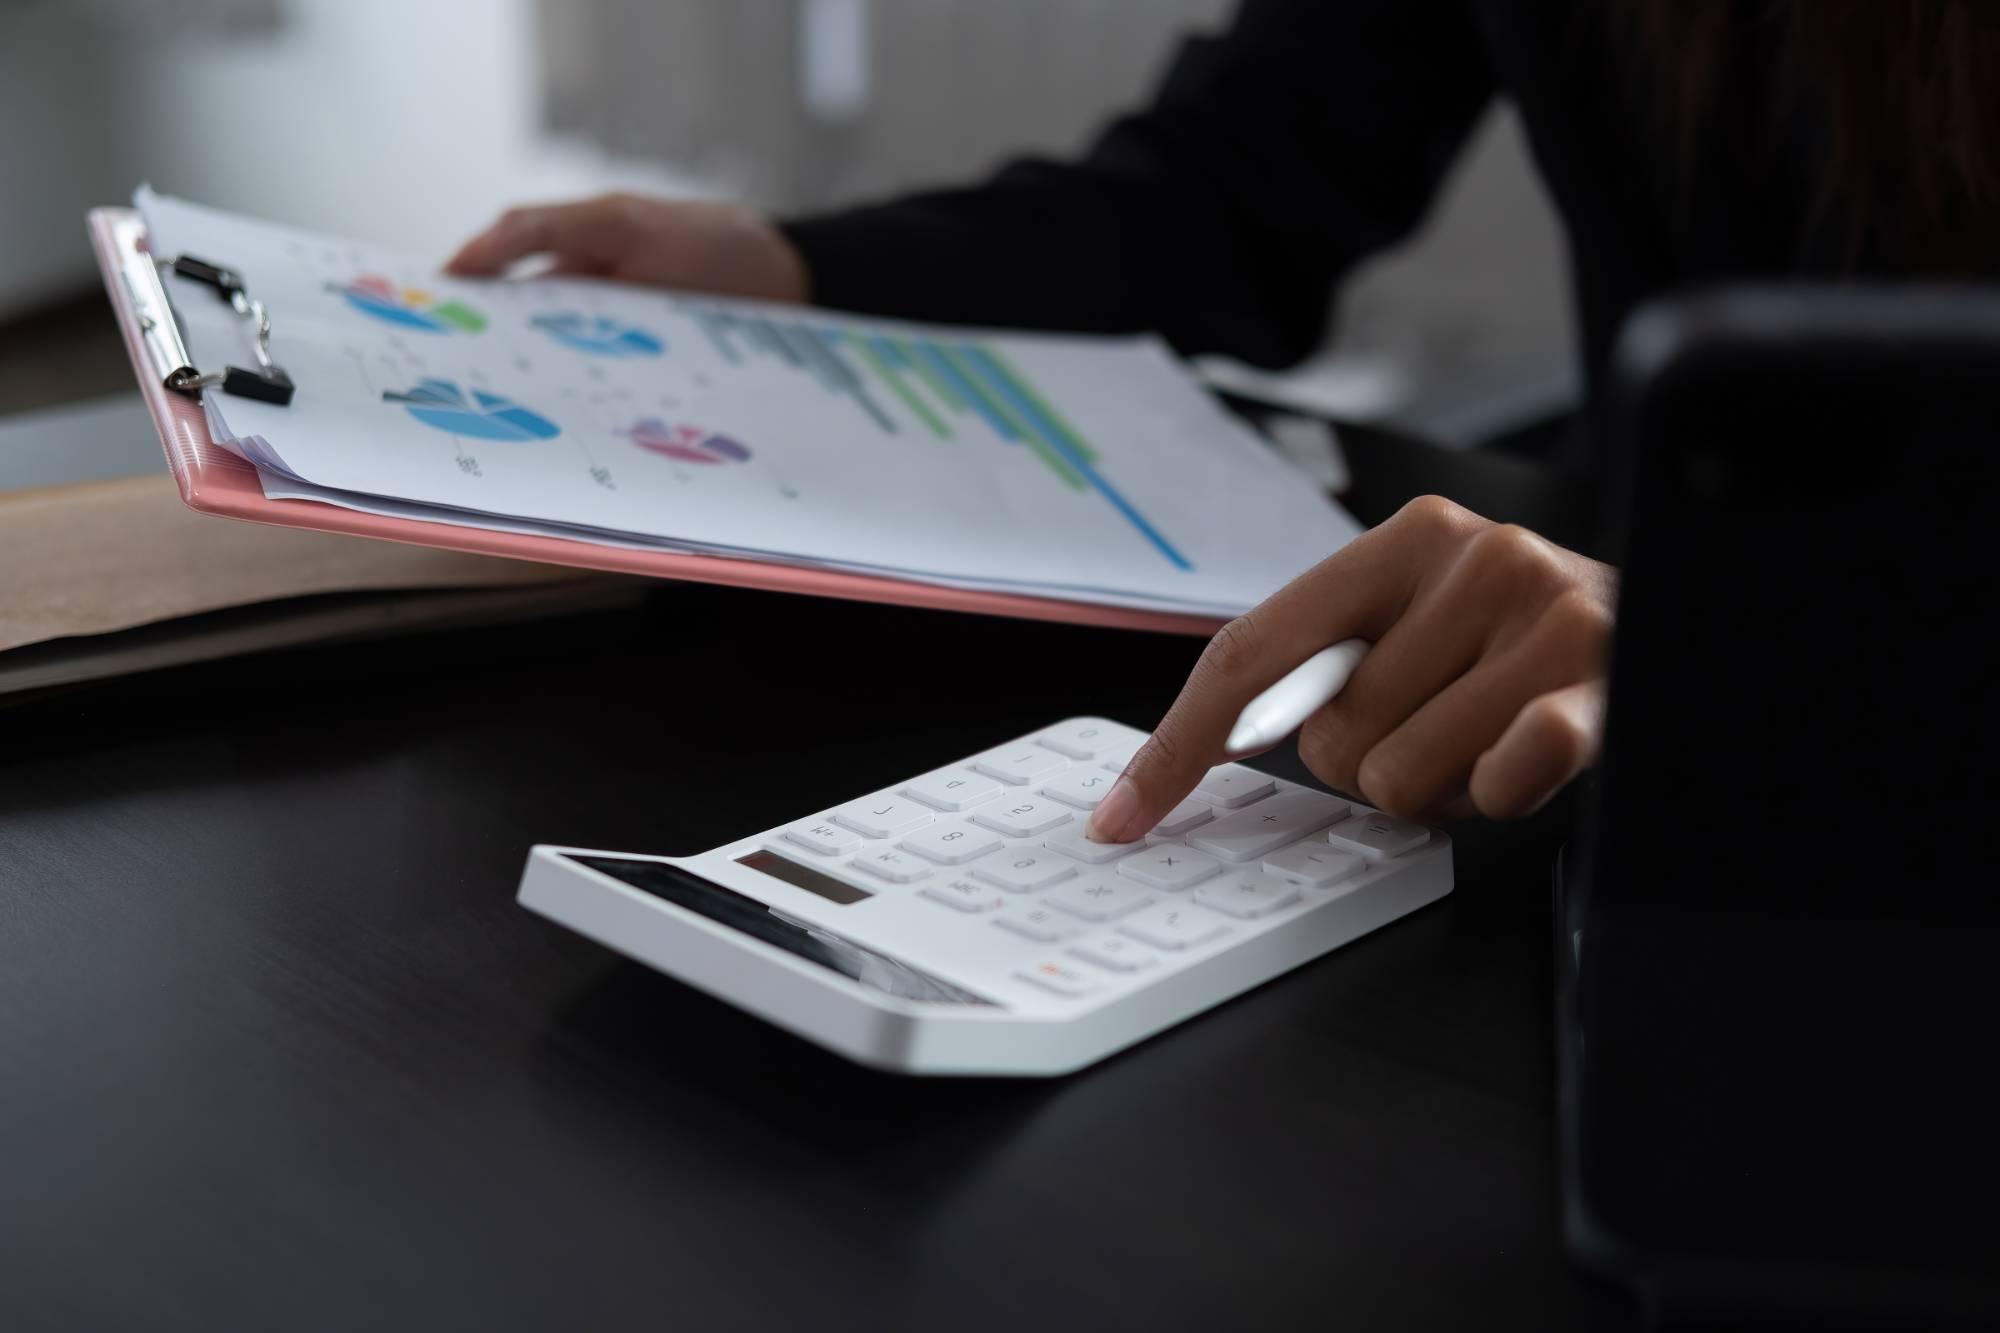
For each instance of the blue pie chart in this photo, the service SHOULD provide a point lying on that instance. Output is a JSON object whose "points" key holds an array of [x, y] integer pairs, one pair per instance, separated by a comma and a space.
{"points": [[598, 335], [443, 405]]}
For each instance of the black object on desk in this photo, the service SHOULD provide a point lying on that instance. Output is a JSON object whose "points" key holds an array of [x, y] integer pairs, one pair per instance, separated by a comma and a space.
{"points": [[278, 1049], [1779, 950]]}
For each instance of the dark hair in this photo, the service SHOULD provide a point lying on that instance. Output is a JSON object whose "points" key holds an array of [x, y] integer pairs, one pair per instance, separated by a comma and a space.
{"points": [[1896, 102]]}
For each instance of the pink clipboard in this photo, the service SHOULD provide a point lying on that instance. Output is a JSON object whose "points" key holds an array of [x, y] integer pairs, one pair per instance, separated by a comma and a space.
{"points": [[213, 480]]}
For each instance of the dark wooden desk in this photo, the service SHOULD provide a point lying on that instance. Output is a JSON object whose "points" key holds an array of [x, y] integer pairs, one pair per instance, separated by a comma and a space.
{"points": [[278, 1050]]}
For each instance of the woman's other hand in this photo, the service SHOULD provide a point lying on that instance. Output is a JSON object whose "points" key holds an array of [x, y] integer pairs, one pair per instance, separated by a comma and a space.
{"points": [[696, 245], [1484, 690]]}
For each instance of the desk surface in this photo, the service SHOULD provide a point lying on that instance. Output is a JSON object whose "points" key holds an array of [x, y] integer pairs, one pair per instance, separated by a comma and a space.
{"points": [[277, 1048]]}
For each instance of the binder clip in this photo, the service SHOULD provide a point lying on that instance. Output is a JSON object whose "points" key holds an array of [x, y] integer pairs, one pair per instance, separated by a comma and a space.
{"points": [[267, 383]]}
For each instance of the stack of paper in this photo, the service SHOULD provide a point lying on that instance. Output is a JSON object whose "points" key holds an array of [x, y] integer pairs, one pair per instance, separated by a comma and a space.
{"points": [[1090, 469]]}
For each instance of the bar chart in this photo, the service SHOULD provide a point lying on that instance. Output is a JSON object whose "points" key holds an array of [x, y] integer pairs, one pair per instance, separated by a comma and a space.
{"points": [[946, 391]]}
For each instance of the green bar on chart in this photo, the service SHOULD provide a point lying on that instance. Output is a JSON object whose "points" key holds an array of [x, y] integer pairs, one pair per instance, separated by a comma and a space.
{"points": [[889, 376], [937, 384], [1053, 460], [1019, 383]]}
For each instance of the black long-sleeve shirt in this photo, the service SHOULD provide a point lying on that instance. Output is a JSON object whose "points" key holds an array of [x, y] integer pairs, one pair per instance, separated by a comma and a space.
{"points": [[1311, 133]]}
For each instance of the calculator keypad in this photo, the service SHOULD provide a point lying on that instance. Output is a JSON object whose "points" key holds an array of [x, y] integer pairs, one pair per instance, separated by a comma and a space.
{"points": [[1024, 869], [1079, 787], [1116, 953], [894, 864], [1233, 785], [823, 836], [1002, 837], [964, 894], [1098, 898], [1177, 927], [1018, 765], [882, 816], [1060, 978], [1183, 818], [1313, 863], [1377, 836], [1023, 816], [952, 844], [953, 789], [1041, 924], [1170, 867], [1088, 739], [1248, 896], [1267, 825], [1071, 840]]}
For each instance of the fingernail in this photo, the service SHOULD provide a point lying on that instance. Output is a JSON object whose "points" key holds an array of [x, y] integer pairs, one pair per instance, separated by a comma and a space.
{"points": [[1109, 821]]}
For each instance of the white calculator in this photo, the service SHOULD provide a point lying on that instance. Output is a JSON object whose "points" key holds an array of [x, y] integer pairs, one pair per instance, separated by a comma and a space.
{"points": [[961, 923]]}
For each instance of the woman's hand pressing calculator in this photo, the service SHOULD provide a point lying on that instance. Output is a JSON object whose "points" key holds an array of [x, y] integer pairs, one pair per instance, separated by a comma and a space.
{"points": [[961, 923]]}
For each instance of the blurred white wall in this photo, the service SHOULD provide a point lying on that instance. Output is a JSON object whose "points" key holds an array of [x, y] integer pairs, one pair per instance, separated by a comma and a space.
{"points": [[54, 124], [405, 123]]}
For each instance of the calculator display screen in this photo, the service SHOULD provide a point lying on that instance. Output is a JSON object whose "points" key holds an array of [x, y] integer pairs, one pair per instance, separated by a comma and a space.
{"points": [[813, 943]]}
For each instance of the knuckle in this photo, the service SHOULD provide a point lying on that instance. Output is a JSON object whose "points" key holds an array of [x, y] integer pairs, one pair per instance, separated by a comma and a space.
{"points": [[1511, 555], [1234, 649], [1430, 514], [1555, 730], [1495, 801], [1580, 621], [1386, 779], [1163, 752], [1323, 749]]}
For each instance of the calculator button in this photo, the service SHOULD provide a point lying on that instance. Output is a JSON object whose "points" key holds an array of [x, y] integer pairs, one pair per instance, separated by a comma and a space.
{"points": [[1169, 866], [1121, 754], [1098, 898], [1315, 863], [1023, 816], [1081, 740], [963, 894], [1069, 839], [1187, 815], [1037, 923], [1058, 977], [1252, 895], [1232, 785], [952, 844], [1378, 836], [882, 816], [1116, 953], [823, 836], [1245, 835], [953, 789], [1080, 787], [894, 865], [1024, 869], [1017, 765], [1174, 927]]}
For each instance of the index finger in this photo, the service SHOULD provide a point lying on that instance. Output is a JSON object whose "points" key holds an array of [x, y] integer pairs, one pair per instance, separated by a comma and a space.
{"points": [[566, 229], [1358, 591]]}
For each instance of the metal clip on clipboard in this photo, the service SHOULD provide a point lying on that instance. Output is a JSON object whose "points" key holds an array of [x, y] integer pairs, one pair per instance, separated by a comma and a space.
{"points": [[267, 383]]}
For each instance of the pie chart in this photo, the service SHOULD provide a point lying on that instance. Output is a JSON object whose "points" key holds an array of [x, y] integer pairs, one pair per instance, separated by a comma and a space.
{"points": [[598, 335], [686, 444], [408, 307], [443, 405]]}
